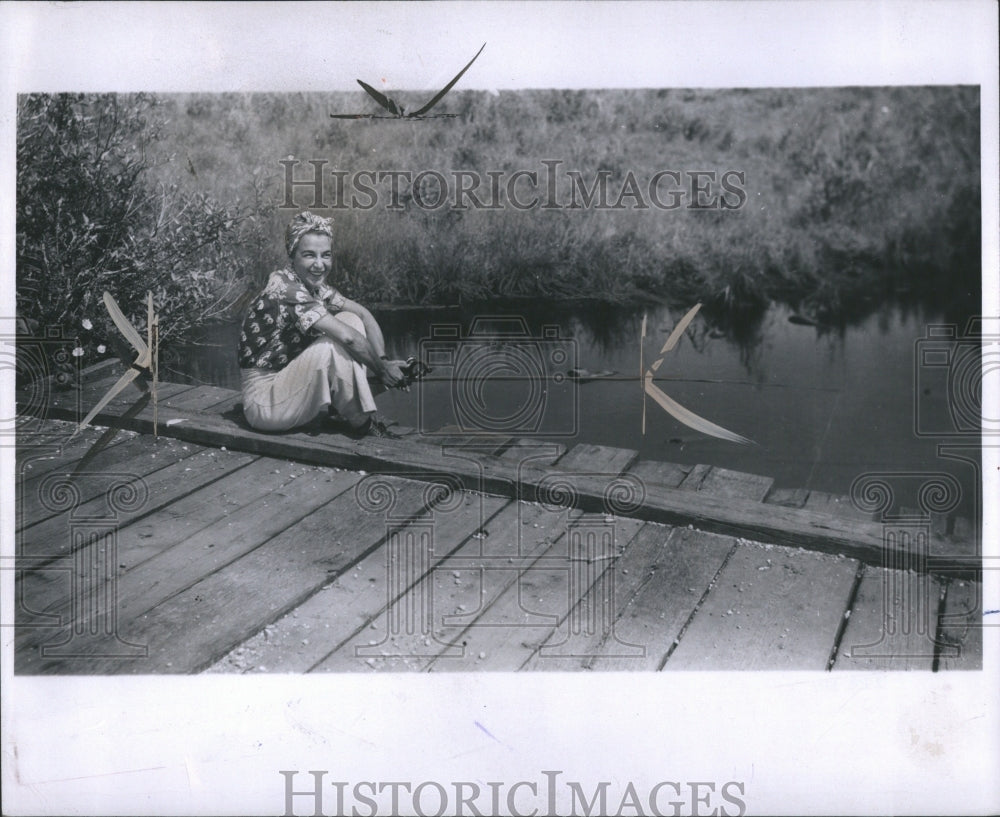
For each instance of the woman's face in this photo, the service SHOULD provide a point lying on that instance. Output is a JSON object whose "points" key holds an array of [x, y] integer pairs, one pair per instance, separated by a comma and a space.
{"points": [[313, 258]]}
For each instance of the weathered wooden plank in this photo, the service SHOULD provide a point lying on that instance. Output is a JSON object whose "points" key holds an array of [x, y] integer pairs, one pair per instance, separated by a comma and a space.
{"points": [[29, 418], [101, 369], [459, 591], [482, 444], [36, 408], [73, 405], [255, 502], [773, 523], [38, 452], [790, 498], [262, 485], [835, 505], [549, 588], [191, 630], [694, 479], [98, 385], [174, 563], [892, 623], [364, 602], [539, 453], [571, 649], [47, 430], [664, 572], [28, 399], [770, 608], [38, 496], [670, 474], [962, 622], [43, 432], [38, 432], [63, 455], [231, 404], [200, 398], [59, 452], [453, 436], [50, 540], [663, 603], [727, 483], [597, 459], [165, 392], [92, 392], [44, 576]]}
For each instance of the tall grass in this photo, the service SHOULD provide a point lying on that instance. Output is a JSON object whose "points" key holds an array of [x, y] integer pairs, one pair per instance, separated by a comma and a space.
{"points": [[852, 193]]}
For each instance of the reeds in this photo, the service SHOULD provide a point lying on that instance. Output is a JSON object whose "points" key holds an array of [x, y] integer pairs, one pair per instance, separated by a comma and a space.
{"points": [[852, 194]]}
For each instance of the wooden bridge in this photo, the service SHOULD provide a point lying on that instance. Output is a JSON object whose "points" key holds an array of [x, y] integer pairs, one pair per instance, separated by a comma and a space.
{"points": [[217, 548]]}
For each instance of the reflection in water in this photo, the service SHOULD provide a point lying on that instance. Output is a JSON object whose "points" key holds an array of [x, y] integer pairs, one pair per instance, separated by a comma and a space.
{"points": [[822, 403]]}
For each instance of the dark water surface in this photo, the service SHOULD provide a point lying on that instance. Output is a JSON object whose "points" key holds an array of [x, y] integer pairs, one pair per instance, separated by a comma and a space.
{"points": [[822, 405]]}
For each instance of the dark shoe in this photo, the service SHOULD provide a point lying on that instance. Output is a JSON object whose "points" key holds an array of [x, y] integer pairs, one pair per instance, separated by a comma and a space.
{"points": [[356, 432], [379, 429], [334, 421], [373, 427]]}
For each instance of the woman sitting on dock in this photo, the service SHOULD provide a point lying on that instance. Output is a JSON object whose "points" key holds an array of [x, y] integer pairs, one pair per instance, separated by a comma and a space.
{"points": [[304, 346]]}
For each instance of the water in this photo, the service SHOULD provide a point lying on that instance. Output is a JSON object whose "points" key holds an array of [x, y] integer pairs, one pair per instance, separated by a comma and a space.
{"points": [[821, 405]]}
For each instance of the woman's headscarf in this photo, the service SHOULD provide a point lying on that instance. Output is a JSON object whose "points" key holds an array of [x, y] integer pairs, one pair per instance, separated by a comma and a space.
{"points": [[306, 222]]}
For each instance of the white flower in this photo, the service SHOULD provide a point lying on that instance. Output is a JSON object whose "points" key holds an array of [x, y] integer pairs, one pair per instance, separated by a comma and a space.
{"points": [[87, 324], [101, 348], [77, 352]]}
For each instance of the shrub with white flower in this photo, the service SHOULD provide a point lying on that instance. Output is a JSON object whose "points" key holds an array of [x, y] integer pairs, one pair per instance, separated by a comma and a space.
{"points": [[111, 226]]}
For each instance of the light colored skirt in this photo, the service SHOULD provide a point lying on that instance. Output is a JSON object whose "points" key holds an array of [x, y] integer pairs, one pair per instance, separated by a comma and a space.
{"points": [[322, 375]]}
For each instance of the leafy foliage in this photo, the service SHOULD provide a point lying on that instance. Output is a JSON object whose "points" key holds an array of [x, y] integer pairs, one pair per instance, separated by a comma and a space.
{"points": [[854, 195], [90, 219]]}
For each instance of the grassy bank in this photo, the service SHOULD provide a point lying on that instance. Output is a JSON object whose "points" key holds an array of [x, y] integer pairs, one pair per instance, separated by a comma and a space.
{"points": [[850, 194], [841, 199]]}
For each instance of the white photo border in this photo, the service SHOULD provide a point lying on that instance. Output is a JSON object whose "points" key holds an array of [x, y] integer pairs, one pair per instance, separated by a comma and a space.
{"points": [[802, 743]]}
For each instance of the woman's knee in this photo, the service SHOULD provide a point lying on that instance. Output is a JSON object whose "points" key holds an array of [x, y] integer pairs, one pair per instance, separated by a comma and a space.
{"points": [[318, 353], [352, 320]]}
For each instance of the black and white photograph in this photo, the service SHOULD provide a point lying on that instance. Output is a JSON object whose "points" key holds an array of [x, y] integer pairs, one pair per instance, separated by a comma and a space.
{"points": [[459, 408]]}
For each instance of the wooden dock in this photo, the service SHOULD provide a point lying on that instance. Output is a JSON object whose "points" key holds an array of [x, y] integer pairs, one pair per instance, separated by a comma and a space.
{"points": [[217, 548]]}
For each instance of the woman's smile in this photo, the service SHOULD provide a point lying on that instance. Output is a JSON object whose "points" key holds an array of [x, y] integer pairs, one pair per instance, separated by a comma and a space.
{"points": [[313, 259]]}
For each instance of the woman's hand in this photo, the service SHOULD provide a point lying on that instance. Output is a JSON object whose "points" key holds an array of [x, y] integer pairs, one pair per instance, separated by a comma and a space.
{"points": [[392, 375]]}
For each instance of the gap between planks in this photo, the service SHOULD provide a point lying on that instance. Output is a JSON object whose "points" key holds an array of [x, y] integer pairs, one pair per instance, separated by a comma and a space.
{"points": [[773, 522]]}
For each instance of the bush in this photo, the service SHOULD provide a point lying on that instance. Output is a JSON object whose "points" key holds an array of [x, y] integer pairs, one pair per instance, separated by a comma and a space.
{"points": [[89, 219]]}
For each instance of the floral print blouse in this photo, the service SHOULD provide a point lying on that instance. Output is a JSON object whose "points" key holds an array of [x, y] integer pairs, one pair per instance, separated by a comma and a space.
{"points": [[278, 326]]}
